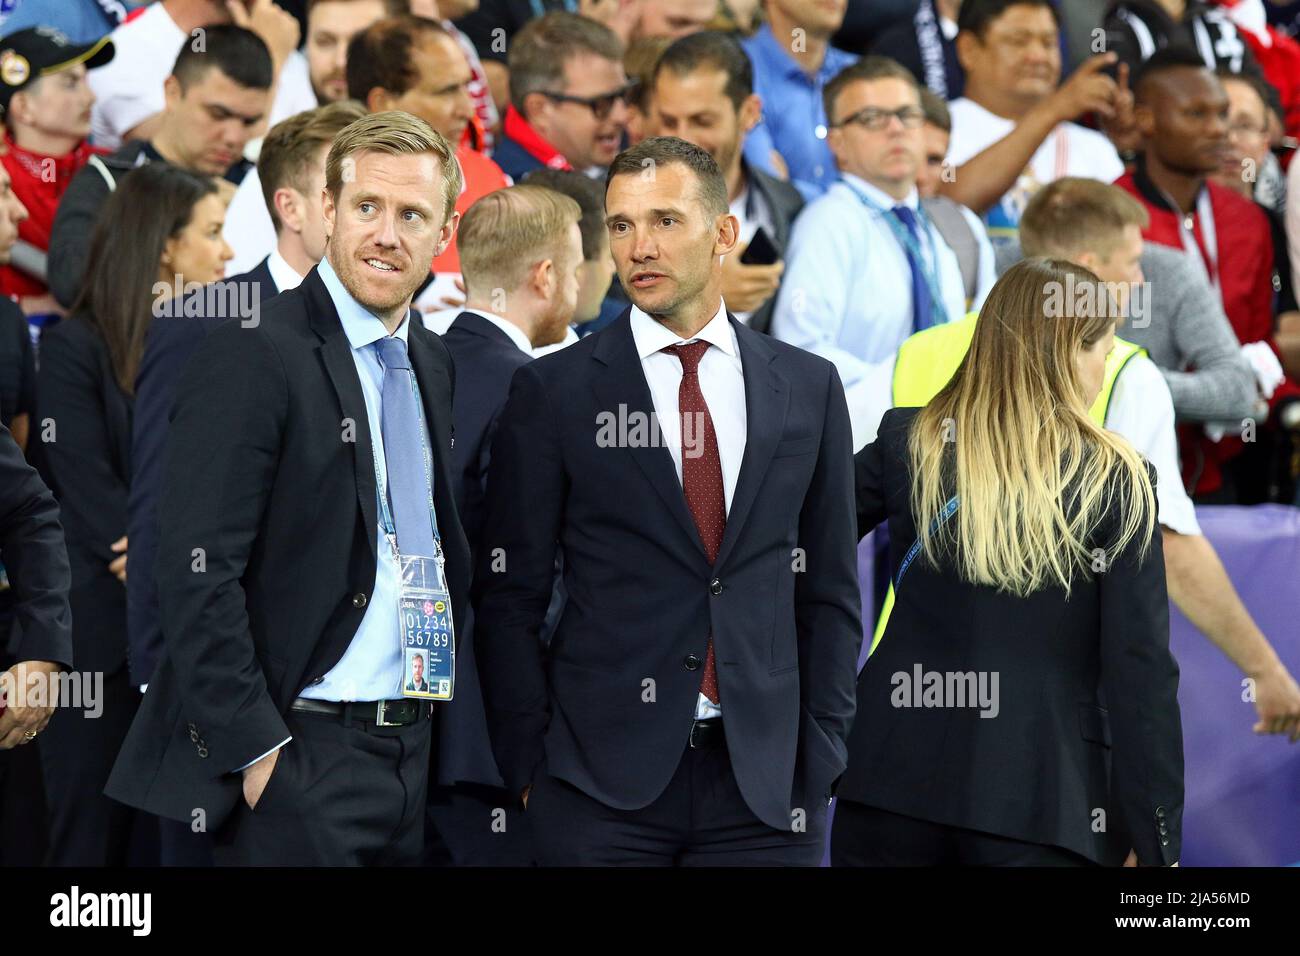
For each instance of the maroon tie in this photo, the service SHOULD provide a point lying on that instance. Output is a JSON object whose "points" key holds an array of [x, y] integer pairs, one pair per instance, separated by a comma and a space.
{"points": [[701, 474]]}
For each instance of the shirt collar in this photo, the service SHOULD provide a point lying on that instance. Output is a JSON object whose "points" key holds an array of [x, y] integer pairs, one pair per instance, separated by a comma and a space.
{"points": [[515, 127], [879, 196], [284, 276], [515, 333], [361, 326], [653, 336], [769, 49]]}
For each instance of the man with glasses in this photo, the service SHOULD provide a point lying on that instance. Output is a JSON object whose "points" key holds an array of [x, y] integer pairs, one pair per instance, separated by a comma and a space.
{"points": [[568, 97], [866, 267]]}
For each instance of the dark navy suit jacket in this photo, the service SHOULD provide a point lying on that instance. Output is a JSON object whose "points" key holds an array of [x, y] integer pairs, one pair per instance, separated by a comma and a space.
{"points": [[781, 601], [170, 342], [486, 360]]}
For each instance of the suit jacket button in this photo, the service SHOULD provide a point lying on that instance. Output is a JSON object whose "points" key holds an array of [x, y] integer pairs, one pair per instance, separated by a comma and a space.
{"points": [[1164, 841], [203, 751], [692, 662], [315, 681], [194, 734], [1160, 813], [715, 587], [359, 600]]}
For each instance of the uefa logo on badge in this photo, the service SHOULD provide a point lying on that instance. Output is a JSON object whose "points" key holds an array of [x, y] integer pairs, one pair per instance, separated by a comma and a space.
{"points": [[428, 607]]}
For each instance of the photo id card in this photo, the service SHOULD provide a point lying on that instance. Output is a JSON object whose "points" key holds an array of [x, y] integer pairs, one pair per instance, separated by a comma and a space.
{"points": [[427, 635]]}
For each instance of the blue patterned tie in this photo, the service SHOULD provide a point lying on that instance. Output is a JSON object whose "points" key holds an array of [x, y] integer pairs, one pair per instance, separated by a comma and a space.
{"points": [[409, 488], [922, 308]]}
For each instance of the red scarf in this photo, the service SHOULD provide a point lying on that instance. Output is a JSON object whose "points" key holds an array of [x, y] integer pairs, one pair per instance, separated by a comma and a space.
{"points": [[532, 142]]}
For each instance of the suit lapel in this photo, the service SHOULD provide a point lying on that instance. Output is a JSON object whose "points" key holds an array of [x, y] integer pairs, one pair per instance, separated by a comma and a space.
{"points": [[767, 399], [336, 354], [622, 391]]}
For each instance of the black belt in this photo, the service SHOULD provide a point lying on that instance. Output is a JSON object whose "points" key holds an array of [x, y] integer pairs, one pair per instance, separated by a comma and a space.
{"points": [[376, 713], [707, 734]]}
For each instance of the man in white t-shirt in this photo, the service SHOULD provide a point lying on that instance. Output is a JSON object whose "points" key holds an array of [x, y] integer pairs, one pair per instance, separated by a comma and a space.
{"points": [[1012, 132], [129, 91]]}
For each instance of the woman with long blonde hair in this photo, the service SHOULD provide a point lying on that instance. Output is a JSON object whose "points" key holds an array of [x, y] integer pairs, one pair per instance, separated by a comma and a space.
{"points": [[1021, 707]]}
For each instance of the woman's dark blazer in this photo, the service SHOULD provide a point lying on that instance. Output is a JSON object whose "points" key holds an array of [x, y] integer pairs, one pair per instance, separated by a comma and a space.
{"points": [[1085, 751], [81, 444]]}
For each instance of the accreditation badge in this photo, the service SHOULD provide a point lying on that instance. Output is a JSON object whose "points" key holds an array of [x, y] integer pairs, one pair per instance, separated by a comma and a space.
{"points": [[427, 635]]}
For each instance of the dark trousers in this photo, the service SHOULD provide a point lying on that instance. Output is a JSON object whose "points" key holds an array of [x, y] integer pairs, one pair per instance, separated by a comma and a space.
{"points": [[86, 828], [472, 825], [866, 836], [700, 819], [341, 794]]}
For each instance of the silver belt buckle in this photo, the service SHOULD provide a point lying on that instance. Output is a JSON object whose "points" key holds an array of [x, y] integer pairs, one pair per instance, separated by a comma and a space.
{"points": [[380, 709]]}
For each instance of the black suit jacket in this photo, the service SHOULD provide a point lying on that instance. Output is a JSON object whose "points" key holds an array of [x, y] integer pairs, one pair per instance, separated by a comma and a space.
{"points": [[267, 556], [784, 201], [1087, 733], [642, 598], [36, 559], [87, 466], [486, 359], [169, 343]]}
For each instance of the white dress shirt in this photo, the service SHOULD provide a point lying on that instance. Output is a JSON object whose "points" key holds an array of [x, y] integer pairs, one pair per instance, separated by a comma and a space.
{"points": [[722, 382], [284, 276], [846, 293]]}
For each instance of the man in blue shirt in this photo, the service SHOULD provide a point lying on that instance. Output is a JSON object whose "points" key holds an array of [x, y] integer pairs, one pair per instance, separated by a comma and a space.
{"points": [[307, 451], [793, 60]]}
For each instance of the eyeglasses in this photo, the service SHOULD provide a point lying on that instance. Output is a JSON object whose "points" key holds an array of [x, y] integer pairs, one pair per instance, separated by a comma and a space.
{"points": [[601, 106], [912, 117]]}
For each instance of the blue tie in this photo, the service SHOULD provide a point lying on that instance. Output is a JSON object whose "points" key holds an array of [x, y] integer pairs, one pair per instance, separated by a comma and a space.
{"points": [[922, 308], [409, 488]]}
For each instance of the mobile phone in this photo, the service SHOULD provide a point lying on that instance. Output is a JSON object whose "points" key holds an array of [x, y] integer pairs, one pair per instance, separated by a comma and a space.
{"points": [[762, 251]]}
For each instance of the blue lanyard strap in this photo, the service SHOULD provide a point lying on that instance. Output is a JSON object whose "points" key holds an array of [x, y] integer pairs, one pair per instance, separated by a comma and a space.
{"points": [[908, 242], [381, 487], [940, 519]]}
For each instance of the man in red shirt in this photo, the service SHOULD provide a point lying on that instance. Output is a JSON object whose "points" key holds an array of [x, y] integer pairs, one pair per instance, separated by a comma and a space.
{"points": [[1182, 114], [46, 104]]}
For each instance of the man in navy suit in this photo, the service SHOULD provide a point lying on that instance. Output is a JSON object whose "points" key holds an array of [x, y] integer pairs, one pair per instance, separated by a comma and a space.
{"points": [[292, 170], [697, 478], [521, 256]]}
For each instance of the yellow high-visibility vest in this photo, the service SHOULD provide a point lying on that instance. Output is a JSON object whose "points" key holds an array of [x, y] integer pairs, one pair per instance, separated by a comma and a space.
{"points": [[928, 360]]}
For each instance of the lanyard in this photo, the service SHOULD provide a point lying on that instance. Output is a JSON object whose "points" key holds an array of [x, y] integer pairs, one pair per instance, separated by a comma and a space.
{"points": [[1209, 259], [929, 42], [908, 242], [948, 511], [381, 488]]}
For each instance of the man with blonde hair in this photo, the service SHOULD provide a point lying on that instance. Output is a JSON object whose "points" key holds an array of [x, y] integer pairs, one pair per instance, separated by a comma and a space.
{"points": [[310, 543], [1099, 226], [521, 253]]}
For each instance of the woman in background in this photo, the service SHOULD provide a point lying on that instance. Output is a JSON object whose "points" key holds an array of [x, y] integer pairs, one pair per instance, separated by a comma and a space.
{"points": [[1021, 707], [161, 226]]}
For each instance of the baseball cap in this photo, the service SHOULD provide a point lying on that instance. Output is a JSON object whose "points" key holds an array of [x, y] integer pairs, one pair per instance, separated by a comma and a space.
{"points": [[27, 55]]}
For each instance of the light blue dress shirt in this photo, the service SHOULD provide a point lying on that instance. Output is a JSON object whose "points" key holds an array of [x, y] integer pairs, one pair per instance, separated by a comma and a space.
{"points": [[847, 290], [794, 121], [371, 667]]}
